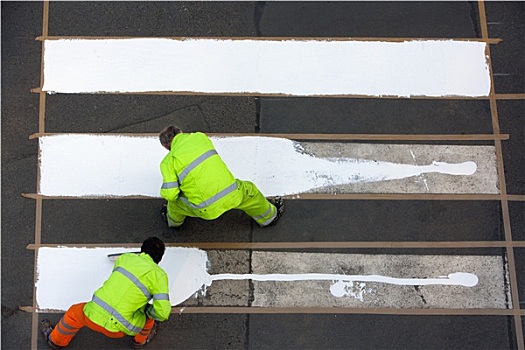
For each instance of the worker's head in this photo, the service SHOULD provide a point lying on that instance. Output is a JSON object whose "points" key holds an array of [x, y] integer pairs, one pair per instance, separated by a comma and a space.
{"points": [[167, 134], [154, 247]]}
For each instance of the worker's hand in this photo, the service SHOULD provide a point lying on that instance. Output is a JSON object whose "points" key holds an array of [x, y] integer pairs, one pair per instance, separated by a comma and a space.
{"points": [[164, 212]]}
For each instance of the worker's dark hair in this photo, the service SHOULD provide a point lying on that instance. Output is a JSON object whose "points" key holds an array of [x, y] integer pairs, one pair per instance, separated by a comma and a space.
{"points": [[167, 134], [154, 247]]}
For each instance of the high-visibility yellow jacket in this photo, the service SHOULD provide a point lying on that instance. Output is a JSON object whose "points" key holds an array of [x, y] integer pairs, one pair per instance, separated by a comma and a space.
{"points": [[193, 172], [121, 304]]}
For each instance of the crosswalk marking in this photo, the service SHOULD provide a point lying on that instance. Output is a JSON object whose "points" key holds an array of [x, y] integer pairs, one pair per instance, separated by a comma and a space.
{"points": [[112, 165], [284, 279], [316, 67]]}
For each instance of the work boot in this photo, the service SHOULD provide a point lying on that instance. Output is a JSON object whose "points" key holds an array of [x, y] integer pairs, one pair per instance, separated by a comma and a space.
{"points": [[46, 328], [152, 334], [279, 204]]}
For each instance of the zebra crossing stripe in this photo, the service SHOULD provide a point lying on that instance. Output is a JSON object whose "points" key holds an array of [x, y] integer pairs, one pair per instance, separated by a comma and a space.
{"points": [[285, 279], [112, 165], [316, 67]]}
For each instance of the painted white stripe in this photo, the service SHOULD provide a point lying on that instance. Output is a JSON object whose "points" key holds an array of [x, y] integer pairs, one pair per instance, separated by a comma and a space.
{"points": [[290, 67], [454, 279], [82, 165], [83, 270], [71, 275]]}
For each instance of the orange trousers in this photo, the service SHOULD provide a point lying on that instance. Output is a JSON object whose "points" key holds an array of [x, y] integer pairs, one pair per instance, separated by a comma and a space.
{"points": [[75, 319]]}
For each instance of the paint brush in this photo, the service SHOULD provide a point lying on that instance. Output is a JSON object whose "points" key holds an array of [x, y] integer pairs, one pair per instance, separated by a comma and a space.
{"points": [[113, 257]]}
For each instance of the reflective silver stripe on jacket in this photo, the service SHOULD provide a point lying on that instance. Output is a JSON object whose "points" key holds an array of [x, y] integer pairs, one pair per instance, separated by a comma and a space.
{"points": [[135, 281], [116, 314], [212, 199], [168, 185], [151, 310], [161, 296], [195, 163]]}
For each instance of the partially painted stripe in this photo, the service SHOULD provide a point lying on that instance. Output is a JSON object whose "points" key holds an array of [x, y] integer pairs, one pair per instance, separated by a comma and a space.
{"points": [[277, 166], [290, 67], [283, 279], [371, 290]]}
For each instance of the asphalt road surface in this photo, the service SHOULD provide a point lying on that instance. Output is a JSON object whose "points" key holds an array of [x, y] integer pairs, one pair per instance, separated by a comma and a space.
{"points": [[103, 221]]}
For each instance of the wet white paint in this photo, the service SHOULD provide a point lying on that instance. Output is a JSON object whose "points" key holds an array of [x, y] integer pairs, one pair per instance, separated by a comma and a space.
{"points": [[100, 165], [70, 275], [421, 177], [356, 290], [456, 279], [345, 285], [489, 292], [290, 67]]}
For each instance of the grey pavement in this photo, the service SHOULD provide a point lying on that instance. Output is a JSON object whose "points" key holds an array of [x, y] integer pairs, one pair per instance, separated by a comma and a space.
{"points": [[130, 221]]}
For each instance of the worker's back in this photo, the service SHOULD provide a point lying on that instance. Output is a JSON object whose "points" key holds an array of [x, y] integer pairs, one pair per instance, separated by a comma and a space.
{"points": [[204, 181], [119, 305]]}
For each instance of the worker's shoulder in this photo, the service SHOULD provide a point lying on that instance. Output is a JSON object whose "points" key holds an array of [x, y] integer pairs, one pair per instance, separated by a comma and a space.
{"points": [[194, 133], [157, 274], [187, 138], [160, 271], [168, 158], [136, 260], [197, 134], [142, 264]]}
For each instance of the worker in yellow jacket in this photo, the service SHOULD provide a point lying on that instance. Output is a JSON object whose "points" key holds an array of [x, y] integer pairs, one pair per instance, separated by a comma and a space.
{"points": [[132, 301], [197, 183]]}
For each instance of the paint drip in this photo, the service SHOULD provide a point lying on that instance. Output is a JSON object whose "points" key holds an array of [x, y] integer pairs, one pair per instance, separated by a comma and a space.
{"points": [[356, 290]]}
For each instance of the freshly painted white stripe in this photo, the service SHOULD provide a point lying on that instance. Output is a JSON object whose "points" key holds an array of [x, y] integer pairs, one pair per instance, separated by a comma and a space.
{"points": [[71, 275], [289, 67], [83, 165]]}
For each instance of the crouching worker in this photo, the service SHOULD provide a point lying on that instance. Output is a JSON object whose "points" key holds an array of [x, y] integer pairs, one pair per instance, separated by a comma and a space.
{"points": [[197, 183], [120, 307]]}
